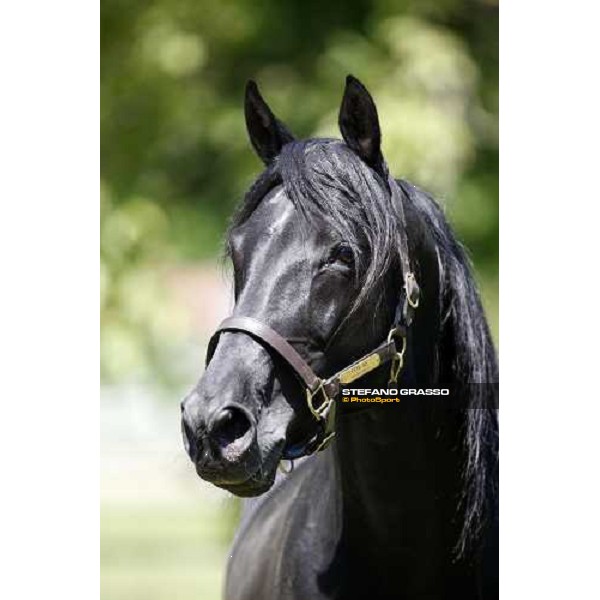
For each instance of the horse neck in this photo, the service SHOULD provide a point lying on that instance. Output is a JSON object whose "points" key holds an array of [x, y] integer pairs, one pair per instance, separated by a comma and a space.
{"points": [[400, 475]]}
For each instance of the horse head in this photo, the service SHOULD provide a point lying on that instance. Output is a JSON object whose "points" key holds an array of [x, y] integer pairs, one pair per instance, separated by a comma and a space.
{"points": [[316, 259]]}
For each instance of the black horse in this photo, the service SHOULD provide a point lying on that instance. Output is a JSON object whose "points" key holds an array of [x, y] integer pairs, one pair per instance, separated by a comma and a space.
{"points": [[403, 503]]}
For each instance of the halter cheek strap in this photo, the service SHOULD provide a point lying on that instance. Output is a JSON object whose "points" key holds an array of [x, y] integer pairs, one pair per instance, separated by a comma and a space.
{"points": [[406, 309], [321, 393]]}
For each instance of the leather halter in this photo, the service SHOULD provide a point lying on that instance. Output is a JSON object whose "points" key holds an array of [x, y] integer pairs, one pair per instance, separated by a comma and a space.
{"points": [[327, 389]]}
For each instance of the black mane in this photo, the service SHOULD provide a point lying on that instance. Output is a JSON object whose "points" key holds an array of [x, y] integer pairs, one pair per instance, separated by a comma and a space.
{"points": [[473, 368], [324, 177]]}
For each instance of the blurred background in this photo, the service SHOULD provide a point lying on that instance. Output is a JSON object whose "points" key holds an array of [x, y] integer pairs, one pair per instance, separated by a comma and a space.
{"points": [[176, 162]]}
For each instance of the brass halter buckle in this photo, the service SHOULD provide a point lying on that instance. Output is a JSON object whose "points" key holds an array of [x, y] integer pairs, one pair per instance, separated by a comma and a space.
{"points": [[398, 360], [322, 411]]}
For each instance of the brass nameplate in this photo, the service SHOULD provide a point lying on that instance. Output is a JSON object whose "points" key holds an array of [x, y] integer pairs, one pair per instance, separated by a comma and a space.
{"points": [[360, 368]]}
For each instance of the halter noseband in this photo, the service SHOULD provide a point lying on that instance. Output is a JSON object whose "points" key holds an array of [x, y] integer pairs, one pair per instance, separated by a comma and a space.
{"points": [[327, 389]]}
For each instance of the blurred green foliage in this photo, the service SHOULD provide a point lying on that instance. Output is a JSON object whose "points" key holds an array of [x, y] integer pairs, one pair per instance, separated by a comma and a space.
{"points": [[175, 156], [176, 161]]}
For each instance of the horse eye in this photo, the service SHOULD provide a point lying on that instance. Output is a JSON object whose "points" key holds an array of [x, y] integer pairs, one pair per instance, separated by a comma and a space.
{"points": [[344, 255]]}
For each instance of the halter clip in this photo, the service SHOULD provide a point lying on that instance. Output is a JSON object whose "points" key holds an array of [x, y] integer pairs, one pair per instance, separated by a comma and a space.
{"points": [[398, 360]]}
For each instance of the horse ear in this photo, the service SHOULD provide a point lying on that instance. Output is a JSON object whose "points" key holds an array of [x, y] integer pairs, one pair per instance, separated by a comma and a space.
{"points": [[359, 124], [267, 134]]}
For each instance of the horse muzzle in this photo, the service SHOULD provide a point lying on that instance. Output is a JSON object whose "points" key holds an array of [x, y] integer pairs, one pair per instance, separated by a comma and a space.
{"points": [[220, 441]]}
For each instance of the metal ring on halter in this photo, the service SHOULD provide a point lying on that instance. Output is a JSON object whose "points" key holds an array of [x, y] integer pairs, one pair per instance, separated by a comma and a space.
{"points": [[393, 333], [397, 364], [398, 360], [321, 412], [283, 470]]}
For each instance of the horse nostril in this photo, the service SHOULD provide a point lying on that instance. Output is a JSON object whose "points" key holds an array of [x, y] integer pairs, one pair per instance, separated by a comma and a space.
{"points": [[229, 425]]}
